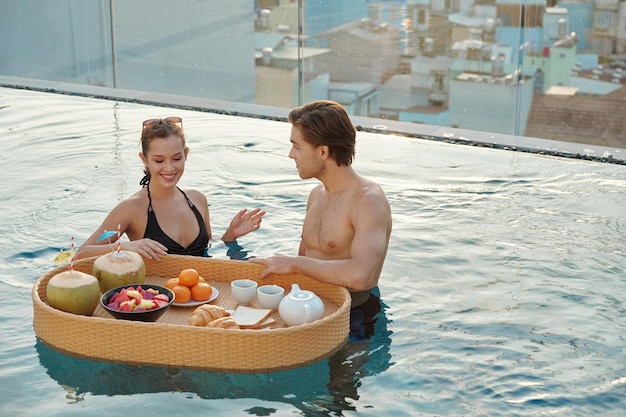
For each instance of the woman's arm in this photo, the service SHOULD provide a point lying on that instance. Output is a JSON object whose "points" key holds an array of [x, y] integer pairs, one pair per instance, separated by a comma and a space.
{"points": [[121, 215]]}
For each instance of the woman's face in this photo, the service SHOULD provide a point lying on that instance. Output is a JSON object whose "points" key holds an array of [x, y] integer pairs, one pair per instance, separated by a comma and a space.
{"points": [[165, 160]]}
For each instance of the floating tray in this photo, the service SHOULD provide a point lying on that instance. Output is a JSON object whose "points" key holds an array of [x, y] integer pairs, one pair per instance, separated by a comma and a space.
{"points": [[171, 342]]}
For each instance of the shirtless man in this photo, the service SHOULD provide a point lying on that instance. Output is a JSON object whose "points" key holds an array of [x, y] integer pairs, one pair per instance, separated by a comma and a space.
{"points": [[348, 219]]}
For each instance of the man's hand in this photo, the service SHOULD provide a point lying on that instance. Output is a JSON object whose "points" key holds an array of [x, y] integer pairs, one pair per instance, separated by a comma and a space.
{"points": [[277, 264]]}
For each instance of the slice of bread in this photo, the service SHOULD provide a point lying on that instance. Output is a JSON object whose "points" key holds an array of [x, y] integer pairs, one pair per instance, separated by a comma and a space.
{"points": [[250, 318], [267, 323]]}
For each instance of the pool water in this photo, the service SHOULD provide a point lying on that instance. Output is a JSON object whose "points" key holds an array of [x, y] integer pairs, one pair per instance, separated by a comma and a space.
{"points": [[503, 292]]}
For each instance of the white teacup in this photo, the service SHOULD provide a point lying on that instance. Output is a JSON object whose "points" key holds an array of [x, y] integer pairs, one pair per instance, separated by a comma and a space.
{"points": [[243, 290], [269, 296]]}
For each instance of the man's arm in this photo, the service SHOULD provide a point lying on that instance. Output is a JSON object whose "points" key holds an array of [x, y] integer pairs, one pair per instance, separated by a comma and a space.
{"points": [[372, 225]]}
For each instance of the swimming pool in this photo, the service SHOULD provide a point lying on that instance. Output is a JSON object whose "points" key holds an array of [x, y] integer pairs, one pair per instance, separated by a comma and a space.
{"points": [[504, 283]]}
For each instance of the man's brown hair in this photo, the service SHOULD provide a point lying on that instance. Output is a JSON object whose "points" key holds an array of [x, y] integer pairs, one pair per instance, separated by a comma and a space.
{"points": [[326, 123]]}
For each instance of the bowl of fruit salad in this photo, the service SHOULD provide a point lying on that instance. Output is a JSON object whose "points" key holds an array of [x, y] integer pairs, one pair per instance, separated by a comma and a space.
{"points": [[140, 302]]}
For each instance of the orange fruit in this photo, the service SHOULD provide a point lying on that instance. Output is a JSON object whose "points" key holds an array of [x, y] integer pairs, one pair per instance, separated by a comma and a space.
{"points": [[202, 279], [201, 291], [188, 277], [171, 283], [182, 294]]}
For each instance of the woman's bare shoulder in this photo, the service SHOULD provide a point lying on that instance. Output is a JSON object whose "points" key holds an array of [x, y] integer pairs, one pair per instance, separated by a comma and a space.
{"points": [[196, 196], [139, 200]]}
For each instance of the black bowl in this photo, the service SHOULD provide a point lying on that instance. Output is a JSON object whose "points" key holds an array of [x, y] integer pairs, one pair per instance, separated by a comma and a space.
{"points": [[145, 315]]}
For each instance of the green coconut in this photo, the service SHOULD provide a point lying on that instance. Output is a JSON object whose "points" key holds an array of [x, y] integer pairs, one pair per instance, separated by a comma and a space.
{"points": [[74, 292], [119, 268]]}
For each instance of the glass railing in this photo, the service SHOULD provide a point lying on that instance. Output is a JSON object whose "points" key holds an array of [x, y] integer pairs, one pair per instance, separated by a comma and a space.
{"points": [[490, 71]]}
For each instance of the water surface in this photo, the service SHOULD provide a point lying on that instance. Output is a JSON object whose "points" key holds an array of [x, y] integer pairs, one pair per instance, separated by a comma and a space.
{"points": [[503, 289]]}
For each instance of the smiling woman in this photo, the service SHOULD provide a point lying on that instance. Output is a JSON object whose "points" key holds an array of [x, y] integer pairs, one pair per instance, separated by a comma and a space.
{"points": [[161, 218]]}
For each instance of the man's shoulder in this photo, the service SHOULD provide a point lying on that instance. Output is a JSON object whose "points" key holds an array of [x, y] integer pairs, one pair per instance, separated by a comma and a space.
{"points": [[371, 189], [316, 191], [372, 200]]}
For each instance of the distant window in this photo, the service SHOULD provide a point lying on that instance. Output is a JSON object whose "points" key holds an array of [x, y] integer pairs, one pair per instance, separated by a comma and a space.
{"points": [[603, 20], [539, 82], [266, 4], [421, 17], [440, 78]]}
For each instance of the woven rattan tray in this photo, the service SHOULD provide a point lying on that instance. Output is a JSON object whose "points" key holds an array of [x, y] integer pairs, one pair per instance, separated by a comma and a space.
{"points": [[171, 342]]}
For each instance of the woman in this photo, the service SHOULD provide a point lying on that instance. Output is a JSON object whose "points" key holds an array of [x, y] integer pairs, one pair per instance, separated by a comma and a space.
{"points": [[161, 218]]}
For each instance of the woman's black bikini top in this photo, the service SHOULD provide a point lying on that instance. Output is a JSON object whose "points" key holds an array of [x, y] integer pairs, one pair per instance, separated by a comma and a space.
{"points": [[153, 231]]}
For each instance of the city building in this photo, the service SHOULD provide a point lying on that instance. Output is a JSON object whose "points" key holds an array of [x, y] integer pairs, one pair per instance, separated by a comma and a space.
{"points": [[283, 71]]}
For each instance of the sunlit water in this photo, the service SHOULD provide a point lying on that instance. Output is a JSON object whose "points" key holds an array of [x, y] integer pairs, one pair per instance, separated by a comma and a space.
{"points": [[504, 284]]}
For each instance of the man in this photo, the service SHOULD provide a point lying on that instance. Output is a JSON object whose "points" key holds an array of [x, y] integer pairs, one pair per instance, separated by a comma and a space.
{"points": [[348, 219]]}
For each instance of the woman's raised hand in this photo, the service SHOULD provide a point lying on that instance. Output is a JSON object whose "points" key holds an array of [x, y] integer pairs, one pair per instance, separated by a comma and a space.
{"points": [[243, 223]]}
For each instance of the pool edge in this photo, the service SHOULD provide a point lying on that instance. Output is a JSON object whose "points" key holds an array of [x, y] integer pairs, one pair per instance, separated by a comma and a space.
{"points": [[379, 126]]}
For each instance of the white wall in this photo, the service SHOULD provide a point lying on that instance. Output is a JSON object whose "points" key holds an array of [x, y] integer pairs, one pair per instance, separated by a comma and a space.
{"points": [[63, 40], [201, 48], [490, 107], [188, 47]]}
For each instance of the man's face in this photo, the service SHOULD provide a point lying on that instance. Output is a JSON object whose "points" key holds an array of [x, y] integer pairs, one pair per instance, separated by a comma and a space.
{"points": [[307, 157]]}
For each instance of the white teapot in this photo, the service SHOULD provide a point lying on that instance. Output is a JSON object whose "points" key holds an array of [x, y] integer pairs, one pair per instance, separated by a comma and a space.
{"points": [[300, 307]]}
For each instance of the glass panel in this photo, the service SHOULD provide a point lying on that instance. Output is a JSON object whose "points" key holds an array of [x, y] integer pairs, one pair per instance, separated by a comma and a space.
{"points": [[507, 67]]}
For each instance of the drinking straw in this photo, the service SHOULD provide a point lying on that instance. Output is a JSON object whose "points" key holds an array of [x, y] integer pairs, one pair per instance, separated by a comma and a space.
{"points": [[119, 242], [72, 253]]}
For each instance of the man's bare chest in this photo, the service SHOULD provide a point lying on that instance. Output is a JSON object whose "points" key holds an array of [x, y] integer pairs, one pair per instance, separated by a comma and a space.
{"points": [[327, 228]]}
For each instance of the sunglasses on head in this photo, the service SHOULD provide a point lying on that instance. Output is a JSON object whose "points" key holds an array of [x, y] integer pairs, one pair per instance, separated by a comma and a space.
{"points": [[169, 120]]}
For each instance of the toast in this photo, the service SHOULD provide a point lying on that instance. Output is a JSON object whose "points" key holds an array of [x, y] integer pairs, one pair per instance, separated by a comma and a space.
{"points": [[267, 323], [251, 318]]}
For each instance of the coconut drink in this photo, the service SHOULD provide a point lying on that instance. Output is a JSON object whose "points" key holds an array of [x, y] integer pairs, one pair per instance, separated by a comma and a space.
{"points": [[73, 292], [119, 268]]}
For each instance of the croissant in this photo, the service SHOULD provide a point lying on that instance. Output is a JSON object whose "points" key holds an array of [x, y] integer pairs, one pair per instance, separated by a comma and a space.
{"points": [[224, 323], [205, 314]]}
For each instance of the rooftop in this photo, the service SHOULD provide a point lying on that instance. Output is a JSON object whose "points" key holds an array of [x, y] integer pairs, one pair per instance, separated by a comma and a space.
{"points": [[580, 118]]}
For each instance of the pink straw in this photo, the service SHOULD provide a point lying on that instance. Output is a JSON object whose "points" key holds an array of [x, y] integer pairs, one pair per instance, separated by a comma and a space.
{"points": [[119, 242], [72, 252]]}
